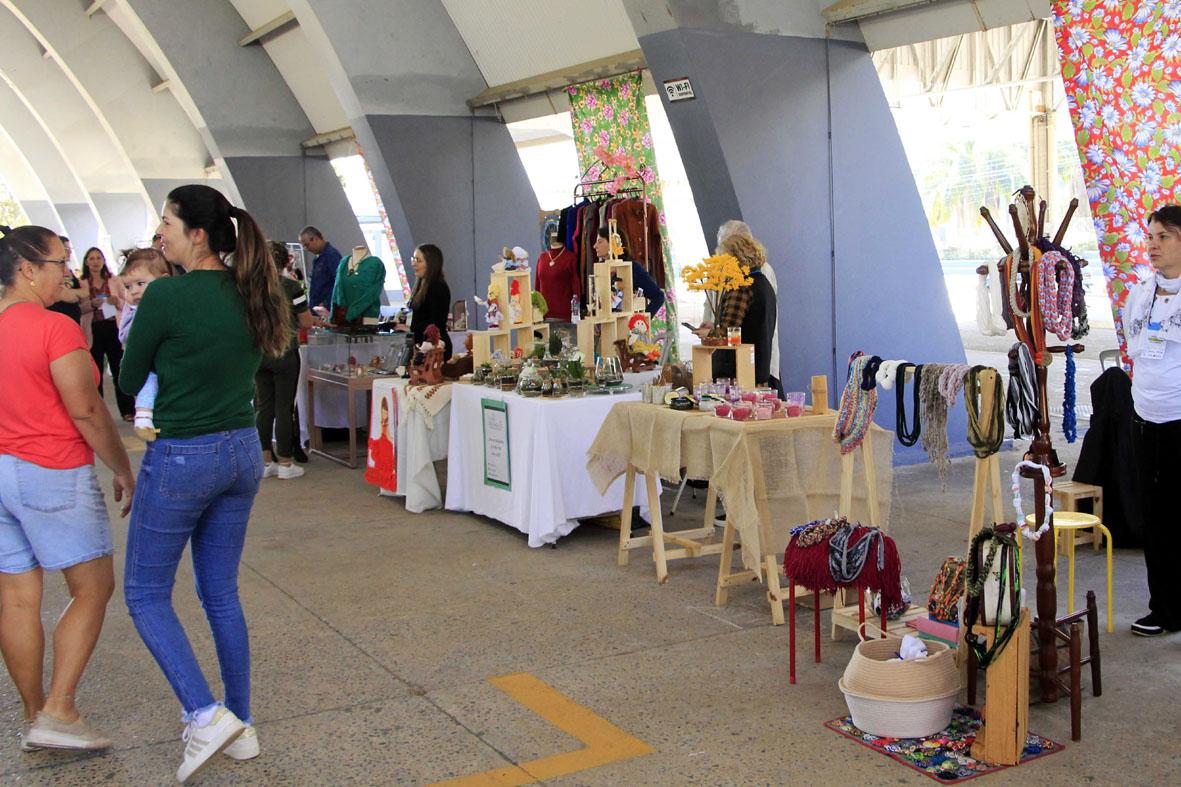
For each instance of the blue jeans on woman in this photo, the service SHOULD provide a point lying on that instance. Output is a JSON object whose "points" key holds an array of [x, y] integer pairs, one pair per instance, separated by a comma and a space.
{"points": [[198, 490]]}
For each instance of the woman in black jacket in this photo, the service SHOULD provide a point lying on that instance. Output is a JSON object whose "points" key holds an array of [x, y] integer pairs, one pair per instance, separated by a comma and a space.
{"points": [[430, 301]]}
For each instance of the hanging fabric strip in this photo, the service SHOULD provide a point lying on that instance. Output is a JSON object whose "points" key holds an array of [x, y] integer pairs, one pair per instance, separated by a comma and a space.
{"points": [[934, 416], [1022, 404], [990, 296], [1054, 295], [1033, 535]]}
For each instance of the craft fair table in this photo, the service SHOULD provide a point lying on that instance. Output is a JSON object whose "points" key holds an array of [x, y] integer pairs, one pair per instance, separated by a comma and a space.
{"points": [[353, 385], [408, 432], [326, 350], [789, 466], [522, 461]]}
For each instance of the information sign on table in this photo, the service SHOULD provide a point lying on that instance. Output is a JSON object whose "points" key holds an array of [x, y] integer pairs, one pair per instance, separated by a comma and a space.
{"points": [[497, 467]]}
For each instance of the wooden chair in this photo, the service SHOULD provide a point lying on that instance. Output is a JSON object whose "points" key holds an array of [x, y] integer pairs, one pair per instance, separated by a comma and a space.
{"points": [[1066, 524]]}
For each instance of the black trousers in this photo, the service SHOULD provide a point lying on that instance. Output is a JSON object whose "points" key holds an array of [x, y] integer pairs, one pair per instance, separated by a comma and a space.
{"points": [[274, 403], [1158, 451], [106, 347]]}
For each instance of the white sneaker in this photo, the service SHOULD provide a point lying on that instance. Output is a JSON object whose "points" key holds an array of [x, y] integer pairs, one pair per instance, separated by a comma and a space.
{"points": [[270, 470], [246, 747], [47, 732], [26, 726], [202, 743], [287, 472]]}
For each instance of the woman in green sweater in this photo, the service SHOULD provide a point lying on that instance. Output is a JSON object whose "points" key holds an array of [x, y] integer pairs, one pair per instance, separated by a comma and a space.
{"points": [[204, 335]]}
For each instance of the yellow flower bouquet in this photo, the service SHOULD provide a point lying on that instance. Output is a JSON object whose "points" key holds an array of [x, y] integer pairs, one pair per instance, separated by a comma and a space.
{"points": [[715, 275]]}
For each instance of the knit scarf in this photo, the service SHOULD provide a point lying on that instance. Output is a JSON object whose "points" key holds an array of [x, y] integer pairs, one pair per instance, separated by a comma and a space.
{"points": [[845, 562], [984, 444], [934, 418], [857, 406]]}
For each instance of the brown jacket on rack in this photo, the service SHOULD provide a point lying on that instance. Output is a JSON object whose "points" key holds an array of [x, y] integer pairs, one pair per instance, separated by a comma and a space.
{"points": [[630, 215]]}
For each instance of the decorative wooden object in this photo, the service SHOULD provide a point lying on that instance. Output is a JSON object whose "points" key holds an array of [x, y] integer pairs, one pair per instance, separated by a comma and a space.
{"points": [[1066, 498], [1006, 711], [510, 336], [431, 370], [609, 327], [1041, 450], [744, 357], [819, 394]]}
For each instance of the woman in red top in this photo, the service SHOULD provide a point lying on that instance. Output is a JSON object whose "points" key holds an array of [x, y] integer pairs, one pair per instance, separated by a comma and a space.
{"points": [[557, 278], [52, 513], [104, 305]]}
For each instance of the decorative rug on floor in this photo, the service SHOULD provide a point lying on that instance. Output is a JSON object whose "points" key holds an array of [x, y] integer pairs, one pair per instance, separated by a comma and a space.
{"points": [[945, 756]]}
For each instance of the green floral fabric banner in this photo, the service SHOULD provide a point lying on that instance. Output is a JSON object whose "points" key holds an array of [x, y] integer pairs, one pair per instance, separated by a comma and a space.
{"points": [[609, 117]]}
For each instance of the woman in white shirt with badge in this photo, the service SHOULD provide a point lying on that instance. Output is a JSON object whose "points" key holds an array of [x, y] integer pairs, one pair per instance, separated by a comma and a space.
{"points": [[1152, 328]]}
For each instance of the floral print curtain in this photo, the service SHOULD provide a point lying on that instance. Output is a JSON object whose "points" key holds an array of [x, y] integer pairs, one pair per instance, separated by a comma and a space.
{"points": [[1121, 65], [610, 114]]}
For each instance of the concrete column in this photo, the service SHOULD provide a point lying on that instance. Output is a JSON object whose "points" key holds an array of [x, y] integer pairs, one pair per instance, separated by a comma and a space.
{"points": [[42, 213], [792, 133], [445, 176], [251, 122], [81, 226]]}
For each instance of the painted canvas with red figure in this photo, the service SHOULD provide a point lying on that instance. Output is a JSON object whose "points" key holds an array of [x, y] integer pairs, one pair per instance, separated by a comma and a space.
{"points": [[1121, 65]]}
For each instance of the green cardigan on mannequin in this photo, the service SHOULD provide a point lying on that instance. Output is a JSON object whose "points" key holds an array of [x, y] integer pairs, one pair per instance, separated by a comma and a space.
{"points": [[360, 291]]}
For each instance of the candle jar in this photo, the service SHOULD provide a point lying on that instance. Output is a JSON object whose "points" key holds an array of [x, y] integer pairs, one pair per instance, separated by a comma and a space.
{"points": [[733, 336]]}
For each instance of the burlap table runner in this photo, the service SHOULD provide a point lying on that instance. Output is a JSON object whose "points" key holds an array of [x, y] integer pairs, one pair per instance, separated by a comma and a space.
{"points": [[790, 468]]}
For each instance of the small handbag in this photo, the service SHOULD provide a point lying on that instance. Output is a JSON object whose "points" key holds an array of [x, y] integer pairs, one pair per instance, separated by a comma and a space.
{"points": [[947, 590]]}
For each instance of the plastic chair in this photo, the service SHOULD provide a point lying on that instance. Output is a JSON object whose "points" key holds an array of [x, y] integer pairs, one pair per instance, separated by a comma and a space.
{"points": [[1073, 521], [1108, 359]]}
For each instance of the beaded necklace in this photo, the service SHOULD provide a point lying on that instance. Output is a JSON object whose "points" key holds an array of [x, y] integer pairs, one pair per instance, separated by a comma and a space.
{"points": [[1002, 541], [1033, 535], [1069, 418]]}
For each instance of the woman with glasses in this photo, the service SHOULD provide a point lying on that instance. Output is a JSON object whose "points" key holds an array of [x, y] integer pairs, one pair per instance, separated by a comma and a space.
{"points": [[52, 513]]}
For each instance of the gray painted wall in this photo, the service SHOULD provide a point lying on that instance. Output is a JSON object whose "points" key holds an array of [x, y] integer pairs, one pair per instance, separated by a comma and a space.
{"points": [[287, 193], [158, 188], [41, 213], [81, 226], [761, 123], [459, 184], [125, 217]]}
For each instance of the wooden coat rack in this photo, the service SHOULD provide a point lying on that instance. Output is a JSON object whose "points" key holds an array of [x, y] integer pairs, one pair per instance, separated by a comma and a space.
{"points": [[1041, 451]]}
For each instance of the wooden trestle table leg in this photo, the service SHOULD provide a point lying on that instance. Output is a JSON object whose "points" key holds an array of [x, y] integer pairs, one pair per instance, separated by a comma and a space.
{"points": [[625, 514], [657, 528], [774, 590], [722, 593]]}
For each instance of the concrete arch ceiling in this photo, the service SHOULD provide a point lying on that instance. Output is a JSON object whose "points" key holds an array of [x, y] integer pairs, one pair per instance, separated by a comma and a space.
{"points": [[26, 186], [46, 159], [246, 113], [147, 125], [94, 155]]}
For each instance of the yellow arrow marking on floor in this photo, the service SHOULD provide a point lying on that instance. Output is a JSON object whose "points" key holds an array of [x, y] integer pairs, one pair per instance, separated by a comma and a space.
{"points": [[605, 743]]}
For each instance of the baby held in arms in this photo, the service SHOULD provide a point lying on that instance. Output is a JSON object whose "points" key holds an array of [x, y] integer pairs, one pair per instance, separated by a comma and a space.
{"points": [[141, 267]]}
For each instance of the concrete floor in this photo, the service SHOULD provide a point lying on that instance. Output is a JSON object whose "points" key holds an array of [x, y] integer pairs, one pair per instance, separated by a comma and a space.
{"points": [[375, 632]]}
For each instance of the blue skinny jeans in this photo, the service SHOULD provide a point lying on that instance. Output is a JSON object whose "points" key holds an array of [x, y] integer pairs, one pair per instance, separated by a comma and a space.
{"points": [[196, 490]]}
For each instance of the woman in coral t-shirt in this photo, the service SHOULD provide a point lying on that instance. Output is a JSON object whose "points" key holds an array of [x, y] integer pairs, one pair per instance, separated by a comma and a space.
{"points": [[52, 512]]}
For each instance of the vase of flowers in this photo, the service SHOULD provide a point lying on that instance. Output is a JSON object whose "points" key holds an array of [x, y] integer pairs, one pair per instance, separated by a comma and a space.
{"points": [[714, 276]]}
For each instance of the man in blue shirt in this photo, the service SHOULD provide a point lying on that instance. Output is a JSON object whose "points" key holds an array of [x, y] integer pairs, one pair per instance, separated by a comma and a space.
{"points": [[323, 267]]}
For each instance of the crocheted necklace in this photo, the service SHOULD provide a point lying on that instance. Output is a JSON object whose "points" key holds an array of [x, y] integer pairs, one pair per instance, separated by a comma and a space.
{"points": [[857, 406], [905, 435], [984, 445], [952, 380], [1000, 540], [1055, 297], [1033, 535], [1069, 419]]}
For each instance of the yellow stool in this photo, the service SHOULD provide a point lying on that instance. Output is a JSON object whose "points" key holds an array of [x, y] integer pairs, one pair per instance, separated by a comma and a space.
{"points": [[1067, 495], [1072, 521]]}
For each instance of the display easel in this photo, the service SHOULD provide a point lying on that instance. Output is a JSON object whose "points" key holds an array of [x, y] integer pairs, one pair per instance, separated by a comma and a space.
{"points": [[1033, 334]]}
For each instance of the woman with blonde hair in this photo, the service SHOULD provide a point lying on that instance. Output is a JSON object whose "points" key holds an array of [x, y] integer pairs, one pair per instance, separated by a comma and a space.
{"points": [[751, 308]]}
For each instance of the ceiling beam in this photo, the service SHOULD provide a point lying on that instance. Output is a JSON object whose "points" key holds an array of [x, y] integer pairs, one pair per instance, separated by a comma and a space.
{"points": [[556, 80], [320, 140], [161, 86], [845, 11], [279, 24], [95, 7]]}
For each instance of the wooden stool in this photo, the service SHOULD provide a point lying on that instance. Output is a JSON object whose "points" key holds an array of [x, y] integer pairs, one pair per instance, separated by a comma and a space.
{"points": [[1066, 497], [1070, 522]]}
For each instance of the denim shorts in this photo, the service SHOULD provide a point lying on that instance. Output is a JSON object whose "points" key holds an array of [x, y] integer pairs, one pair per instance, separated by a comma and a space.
{"points": [[50, 518]]}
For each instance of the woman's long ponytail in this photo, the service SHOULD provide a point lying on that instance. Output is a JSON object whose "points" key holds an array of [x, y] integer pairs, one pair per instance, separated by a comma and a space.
{"points": [[267, 313]]}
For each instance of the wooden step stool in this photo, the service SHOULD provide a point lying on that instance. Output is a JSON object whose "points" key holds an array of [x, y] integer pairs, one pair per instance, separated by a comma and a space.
{"points": [[1066, 497]]}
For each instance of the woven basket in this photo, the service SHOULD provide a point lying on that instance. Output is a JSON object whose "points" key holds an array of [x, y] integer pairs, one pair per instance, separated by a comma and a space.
{"points": [[900, 699]]}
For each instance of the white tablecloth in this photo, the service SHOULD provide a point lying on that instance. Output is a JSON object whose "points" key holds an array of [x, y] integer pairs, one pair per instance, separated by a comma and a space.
{"points": [[418, 443], [548, 441]]}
